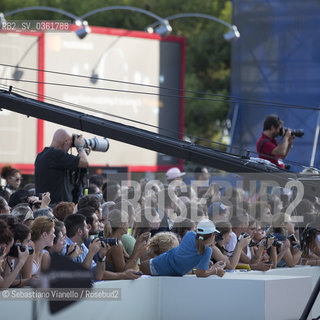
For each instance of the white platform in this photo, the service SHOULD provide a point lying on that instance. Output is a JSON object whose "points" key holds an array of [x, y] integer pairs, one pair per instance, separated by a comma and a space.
{"points": [[313, 272], [236, 296]]}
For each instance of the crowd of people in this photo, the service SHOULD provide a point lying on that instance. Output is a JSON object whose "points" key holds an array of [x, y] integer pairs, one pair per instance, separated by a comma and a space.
{"points": [[157, 228]]}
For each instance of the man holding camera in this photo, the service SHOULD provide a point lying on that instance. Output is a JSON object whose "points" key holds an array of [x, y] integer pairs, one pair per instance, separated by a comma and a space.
{"points": [[53, 165], [268, 147]]}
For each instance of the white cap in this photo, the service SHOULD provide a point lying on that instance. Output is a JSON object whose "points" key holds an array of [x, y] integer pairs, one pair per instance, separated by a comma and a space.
{"points": [[206, 227], [174, 173]]}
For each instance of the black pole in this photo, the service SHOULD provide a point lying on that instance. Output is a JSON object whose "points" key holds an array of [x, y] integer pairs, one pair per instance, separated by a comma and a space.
{"points": [[311, 301]]}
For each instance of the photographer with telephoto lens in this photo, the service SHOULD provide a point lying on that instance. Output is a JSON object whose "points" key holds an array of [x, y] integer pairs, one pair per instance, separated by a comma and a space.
{"points": [[118, 260], [54, 165], [16, 253], [268, 147], [219, 252], [282, 227], [265, 249]]}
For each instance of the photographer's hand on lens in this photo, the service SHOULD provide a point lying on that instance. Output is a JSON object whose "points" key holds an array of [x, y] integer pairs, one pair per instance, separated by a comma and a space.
{"points": [[22, 255], [79, 141], [291, 139], [287, 134], [244, 242], [95, 246], [88, 150], [104, 249]]}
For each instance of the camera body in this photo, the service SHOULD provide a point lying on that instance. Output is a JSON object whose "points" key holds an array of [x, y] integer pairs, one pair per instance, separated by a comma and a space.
{"points": [[96, 144], [275, 243], [14, 250], [297, 133], [110, 241], [218, 236], [246, 235]]}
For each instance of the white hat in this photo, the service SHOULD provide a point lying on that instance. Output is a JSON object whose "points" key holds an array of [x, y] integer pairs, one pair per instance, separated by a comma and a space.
{"points": [[206, 227], [174, 173]]}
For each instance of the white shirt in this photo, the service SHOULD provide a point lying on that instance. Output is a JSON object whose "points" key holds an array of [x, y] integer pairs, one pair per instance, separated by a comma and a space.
{"points": [[232, 244]]}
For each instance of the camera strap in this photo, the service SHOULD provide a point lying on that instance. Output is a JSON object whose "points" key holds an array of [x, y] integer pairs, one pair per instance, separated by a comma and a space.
{"points": [[262, 142]]}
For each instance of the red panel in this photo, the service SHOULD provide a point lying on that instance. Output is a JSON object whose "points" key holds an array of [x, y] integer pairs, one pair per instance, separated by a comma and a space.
{"points": [[41, 79], [29, 168], [121, 32]]}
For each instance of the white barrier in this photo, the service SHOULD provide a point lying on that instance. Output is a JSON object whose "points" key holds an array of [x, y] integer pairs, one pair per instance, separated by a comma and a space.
{"points": [[235, 296], [313, 272]]}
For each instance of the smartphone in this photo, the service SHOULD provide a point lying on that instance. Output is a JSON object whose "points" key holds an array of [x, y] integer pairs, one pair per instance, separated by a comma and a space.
{"points": [[149, 236], [3, 251], [292, 238]]}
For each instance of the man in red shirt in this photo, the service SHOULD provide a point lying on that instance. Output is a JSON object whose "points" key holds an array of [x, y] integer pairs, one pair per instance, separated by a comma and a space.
{"points": [[268, 147]]}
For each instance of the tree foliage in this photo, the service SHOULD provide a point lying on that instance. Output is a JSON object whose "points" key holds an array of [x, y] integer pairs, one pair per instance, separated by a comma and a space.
{"points": [[207, 53]]}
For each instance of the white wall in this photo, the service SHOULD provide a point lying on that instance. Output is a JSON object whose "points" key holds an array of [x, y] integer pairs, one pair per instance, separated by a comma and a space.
{"points": [[235, 296], [313, 272]]}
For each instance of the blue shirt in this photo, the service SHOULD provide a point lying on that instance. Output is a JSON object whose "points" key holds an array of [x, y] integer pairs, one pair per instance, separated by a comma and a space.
{"points": [[182, 259], [82, 256]]}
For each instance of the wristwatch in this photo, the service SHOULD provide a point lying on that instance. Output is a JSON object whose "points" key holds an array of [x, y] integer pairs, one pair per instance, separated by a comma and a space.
{"points": [[102, 259]]}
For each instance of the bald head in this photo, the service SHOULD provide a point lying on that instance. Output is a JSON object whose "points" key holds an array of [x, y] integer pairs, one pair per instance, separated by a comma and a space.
{"points": [[62, 140]]}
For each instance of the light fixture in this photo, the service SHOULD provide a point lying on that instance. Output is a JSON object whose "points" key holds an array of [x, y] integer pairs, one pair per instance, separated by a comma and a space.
{"points": [[233, 35], [84, 30], [163, 30], [230, 36], [94, 77], [17, 74]]}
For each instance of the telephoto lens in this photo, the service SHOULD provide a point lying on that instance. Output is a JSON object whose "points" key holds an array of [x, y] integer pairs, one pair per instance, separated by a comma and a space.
{"points": [[96, 144], [299, 133]]}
